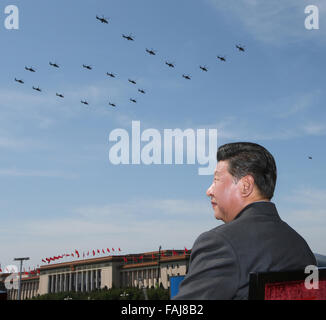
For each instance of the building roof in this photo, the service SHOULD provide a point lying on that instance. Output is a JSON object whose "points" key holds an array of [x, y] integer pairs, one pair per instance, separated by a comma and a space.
{"points": [[147, 260]]}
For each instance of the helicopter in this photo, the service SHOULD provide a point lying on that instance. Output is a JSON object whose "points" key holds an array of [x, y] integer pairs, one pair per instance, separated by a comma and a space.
{"points": [[151, 52], [241, 48], [59, 95], [130, 38], [103, 20], [87, 67], [31, 69], [112, 104], [133, 100], [221, 58], [19, 80], [186, 76], [110, 74], [37, 89], [55, 65], [84, 102], [171, 65], [132, 81], [141, 91], [204, 68]]}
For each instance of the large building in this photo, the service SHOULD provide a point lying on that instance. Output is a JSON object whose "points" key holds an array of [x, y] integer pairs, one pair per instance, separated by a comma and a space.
{"points": [[136, 270]]}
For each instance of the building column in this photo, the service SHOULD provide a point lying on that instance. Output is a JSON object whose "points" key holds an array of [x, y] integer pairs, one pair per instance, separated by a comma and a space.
{"points": [[52, 283], [76, 281], [82, 281], [58, 282], [70, 281], [87, 279], [64, 282], [92, 280]]}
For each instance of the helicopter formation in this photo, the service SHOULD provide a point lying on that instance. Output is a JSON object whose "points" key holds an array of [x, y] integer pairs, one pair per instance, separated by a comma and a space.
{"points": [[128, 37]]}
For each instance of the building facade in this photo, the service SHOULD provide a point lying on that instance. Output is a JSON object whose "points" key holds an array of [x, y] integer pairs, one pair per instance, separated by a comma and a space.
{"points": [[139, 270]]}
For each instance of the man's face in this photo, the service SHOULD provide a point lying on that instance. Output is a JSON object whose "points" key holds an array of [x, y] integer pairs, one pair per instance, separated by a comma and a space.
{"points": [[224, 193]]}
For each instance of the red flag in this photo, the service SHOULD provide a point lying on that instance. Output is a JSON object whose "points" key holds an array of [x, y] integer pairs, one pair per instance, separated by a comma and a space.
{"points": [[119, 249], [162, 254], [108, 250], [72, 255], [103, 251], [174, 253], [112, 249], [141, 257], [98, 251], [125, 259], [76, 251], [87, 253], [43, 260], [153, 256], [186, 249], [93, 252]]}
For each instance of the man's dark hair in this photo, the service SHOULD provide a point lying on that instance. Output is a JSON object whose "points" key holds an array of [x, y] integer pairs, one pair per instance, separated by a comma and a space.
{"points": [[246, 158]]}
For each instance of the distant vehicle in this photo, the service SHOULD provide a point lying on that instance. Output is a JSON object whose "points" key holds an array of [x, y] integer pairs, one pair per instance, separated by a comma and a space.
{"points": [[37, 89], [132, 81], [186, 76], [103, 20], [112, 104], [55, 65], [133, 100], [59, 95], [171, 65], [19, 80], [221, 58], [310, 158], [84, 102], [141, 91], [31, 69], [151, 52], [87, 67], [204, 68], [130, 38], [241, 48], [110, 75]]}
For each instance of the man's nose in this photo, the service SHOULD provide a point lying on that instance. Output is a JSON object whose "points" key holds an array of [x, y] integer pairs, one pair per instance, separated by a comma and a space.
{"points": [[209, 191]]}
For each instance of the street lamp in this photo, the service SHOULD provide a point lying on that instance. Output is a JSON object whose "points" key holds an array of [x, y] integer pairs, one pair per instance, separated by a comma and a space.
{"points": [[158, 265], [142, 286], [20, 274]]}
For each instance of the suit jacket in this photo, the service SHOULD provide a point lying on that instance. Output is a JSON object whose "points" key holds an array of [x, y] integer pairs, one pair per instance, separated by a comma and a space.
{"points": [[257, 240]]}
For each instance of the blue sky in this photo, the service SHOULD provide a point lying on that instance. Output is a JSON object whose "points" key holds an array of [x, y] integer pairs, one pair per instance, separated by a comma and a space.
{"points": [[59, 192]]}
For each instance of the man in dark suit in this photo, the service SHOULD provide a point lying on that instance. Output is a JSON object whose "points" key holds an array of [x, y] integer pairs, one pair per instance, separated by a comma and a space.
{"points": [[253, 238]]}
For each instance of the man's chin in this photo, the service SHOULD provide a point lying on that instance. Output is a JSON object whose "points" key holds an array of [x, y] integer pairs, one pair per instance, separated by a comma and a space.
{"points": [[219, 216]]}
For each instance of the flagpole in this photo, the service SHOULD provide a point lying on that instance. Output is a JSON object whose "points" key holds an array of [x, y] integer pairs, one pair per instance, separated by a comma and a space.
{"points": [[20, 275], [158, 265]]}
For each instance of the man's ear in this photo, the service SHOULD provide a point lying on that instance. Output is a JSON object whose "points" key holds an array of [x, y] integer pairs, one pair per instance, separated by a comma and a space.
{"points": [[247, 185]]}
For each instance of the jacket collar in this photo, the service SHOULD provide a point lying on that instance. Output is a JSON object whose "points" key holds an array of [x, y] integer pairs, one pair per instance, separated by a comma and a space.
{"points": [[258, 207]]}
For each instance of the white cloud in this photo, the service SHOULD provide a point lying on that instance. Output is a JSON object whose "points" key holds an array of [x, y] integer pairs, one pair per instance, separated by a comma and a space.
{"points": [[137, 225], [304, 210], [12, 172], [273, 22], [18, 143], [314, 129]]}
